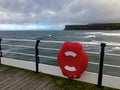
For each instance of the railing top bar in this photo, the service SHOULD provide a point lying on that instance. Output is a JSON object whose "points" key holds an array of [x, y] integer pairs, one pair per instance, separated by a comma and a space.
{"points": [[51, 41], [114, 66], [92, 52], [6, 39], [108, 44], [86, 43], [17, 45], [47, 57], [118, 55], [48, 48], [18, 53], [108, 65], [93, 63]]}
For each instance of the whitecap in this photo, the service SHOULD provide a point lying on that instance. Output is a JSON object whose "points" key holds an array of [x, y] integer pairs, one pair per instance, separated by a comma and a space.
{"points": [[111, 34], [103, 33], [90, 36], [116, 48], [113, 43], [113, 49], [93, 33]]}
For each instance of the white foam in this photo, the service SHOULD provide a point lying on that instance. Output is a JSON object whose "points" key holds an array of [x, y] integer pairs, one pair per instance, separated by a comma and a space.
{"points": [[90, 36], [93, 33], [111, 34], [113, 49], [116, 48], [103, 33], [113, 43]]}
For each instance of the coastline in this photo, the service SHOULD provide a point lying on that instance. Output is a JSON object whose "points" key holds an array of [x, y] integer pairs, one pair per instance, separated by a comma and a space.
{"points": [[100, 26]]}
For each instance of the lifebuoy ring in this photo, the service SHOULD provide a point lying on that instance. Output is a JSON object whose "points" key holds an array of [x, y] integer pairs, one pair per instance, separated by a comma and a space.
{"points": [[72, 59]]}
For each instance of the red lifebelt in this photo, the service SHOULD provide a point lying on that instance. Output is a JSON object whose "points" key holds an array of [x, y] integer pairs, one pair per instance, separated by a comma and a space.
{"points": [[72, 59]]}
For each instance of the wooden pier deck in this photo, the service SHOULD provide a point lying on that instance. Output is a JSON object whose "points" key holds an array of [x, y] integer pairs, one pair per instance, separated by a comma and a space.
{"points": [[12, 78], [17, 79]]}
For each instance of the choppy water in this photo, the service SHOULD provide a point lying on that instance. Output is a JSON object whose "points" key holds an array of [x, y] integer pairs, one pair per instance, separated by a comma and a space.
{"points": [[111, 37]]}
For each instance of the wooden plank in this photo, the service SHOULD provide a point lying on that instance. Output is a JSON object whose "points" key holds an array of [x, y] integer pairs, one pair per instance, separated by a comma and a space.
{"points": [[35, 84], [7, 73], [2, 68], [51, 86], [11, 80], [18, 84], [19, 79], [44, 84], [23, 83], [15, 76]]}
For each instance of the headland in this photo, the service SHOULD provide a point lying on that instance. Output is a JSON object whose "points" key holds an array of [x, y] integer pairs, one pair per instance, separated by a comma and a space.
{"points": [[96, 26]]}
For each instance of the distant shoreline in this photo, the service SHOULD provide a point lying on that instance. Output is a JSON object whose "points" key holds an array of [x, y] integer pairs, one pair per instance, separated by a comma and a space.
{"points": [[98, 26]]}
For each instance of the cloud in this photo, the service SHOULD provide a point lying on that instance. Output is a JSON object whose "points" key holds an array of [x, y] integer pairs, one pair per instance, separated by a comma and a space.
{"points": [[59, 11], [90, 11]]}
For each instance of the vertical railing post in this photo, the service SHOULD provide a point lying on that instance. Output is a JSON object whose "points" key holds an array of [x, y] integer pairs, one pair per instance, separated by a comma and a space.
{"points": [[0, 50], [36, 55], [100, 74]]}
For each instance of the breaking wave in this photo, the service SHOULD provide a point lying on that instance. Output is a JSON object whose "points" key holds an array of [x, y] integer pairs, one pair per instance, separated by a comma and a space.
{"points": [[103, 33], [90, 36], [116, 48]]}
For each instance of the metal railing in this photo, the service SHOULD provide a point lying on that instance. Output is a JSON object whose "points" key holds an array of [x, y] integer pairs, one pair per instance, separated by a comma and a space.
{"points": [[0, 51], [18, 46], [38, 56]]}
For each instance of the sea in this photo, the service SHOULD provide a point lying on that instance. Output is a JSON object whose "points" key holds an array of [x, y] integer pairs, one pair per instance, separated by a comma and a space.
{"points": [[94, 36]]}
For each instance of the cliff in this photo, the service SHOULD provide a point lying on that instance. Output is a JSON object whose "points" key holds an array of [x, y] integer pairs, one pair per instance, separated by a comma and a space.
{"points": [[100, 26]]}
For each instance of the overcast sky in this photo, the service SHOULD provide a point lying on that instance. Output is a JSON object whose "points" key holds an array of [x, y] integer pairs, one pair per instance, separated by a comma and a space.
{"points": [[54, 14]]}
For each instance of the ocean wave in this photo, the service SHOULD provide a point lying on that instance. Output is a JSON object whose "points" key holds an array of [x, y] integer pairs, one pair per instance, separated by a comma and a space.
{"points": [[116, 48], [113, 43], [90, 36], [103, 33], [113, 49], [111, 34], [116, 44], [111, 46], [92, 33]]}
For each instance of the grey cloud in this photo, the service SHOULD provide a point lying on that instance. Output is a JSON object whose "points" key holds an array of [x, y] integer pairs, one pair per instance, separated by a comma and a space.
{"points": [[28, 10], [59, 11], [91, 11]]}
